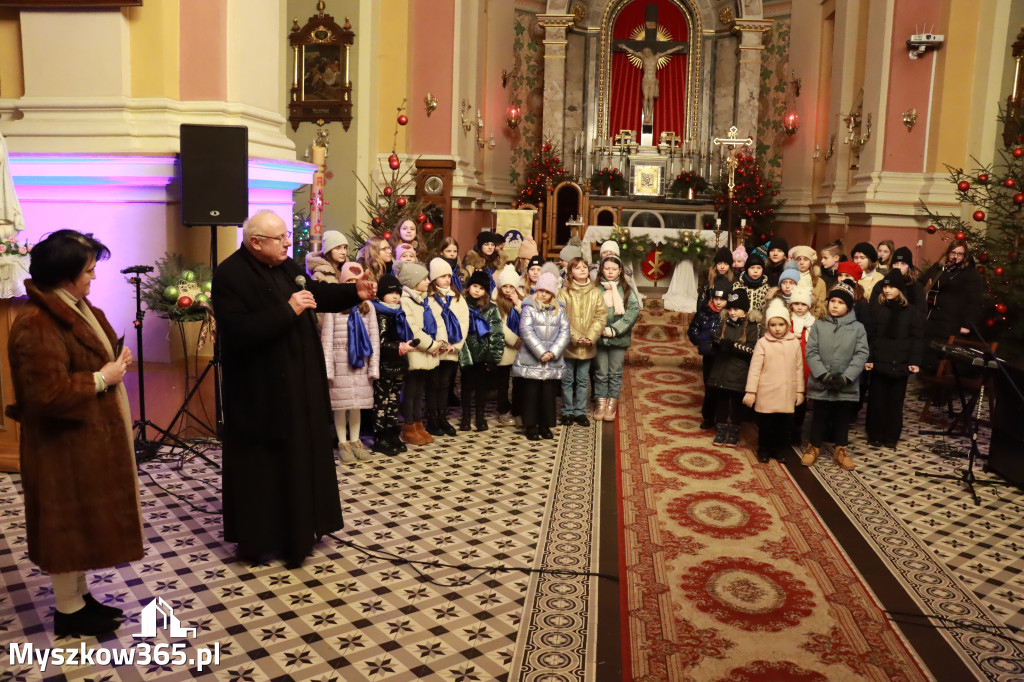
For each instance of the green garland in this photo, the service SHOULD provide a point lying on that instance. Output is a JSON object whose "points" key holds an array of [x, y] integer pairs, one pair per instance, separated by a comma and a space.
{"points": [[164, 290], [687, 246]]}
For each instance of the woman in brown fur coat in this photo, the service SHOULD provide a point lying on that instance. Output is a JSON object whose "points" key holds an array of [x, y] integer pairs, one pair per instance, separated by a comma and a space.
{"points": [[77, 459]]}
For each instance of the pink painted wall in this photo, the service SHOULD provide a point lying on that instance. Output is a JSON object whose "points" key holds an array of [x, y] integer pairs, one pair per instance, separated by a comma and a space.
{"points": [[467, 224], [910, 82], [204, 59], [431, 64]]}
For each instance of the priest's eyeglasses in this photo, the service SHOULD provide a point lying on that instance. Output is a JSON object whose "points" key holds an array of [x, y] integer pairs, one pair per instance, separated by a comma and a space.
{"points": [[279, 240]]}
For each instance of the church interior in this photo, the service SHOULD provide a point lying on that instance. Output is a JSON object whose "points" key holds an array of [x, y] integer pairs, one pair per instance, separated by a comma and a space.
{"points": [[629, 548]]}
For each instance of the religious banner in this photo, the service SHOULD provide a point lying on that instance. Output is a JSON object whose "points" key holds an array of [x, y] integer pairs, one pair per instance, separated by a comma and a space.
{"points": [[514, 225]]}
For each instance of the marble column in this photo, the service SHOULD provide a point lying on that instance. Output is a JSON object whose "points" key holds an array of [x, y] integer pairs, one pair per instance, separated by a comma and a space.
{"points": [[748, 74], [555, 29]]}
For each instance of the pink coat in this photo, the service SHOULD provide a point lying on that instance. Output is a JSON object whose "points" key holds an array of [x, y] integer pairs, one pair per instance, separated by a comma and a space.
{"points": [[776, 373], [351, 389]]}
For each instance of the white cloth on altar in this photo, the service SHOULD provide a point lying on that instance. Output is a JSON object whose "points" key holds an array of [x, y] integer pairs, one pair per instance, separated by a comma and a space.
{"points": [[11, 219], [681, 295]]}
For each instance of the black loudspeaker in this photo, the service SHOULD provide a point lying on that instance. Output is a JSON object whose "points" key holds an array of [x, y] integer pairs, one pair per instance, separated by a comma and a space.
{"points": [[1006, 449], [214, 175]]}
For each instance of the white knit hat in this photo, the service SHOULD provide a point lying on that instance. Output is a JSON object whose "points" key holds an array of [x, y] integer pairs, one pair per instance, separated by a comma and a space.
{"points": [[439, 268], [801, 295], [611, 245], [333, 239], [776, 308], [508, 275]]}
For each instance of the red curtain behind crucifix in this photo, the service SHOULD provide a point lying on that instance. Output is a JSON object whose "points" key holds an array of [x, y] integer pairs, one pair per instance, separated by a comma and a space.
{"points": [[626, 102]]}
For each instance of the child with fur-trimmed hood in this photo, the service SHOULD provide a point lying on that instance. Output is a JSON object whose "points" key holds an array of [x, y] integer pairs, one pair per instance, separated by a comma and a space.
{"points": [[486, 256]]}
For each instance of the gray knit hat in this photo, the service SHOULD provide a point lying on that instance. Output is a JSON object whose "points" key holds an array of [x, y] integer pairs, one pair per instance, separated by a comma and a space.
{"points": [[410, 274]]}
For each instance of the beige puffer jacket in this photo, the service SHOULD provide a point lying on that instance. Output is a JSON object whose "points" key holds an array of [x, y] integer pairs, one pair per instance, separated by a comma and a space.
{"points": [[420, 357], [587, 313]]}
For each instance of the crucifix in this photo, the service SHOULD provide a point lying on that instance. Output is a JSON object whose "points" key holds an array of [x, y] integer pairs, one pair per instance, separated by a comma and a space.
{"points": [[649, 54], [732, 141]]}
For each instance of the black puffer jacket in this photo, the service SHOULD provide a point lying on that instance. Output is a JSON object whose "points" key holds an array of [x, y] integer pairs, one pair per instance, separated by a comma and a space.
{"points": [[895, 338], [392, 365], [957, 295], [735, 346], [705, 327]]}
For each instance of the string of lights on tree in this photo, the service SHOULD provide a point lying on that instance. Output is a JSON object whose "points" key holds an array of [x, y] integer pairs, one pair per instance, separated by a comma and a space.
{"points": [[544, 166], [993, 235]]}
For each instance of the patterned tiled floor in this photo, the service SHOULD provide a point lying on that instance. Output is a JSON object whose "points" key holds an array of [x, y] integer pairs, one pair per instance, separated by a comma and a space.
{"points": [[479, 500], [957, 560]]}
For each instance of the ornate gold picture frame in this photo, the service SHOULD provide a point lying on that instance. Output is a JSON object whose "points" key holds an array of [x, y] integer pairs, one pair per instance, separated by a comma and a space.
{"points": [[647, 180], [321, 79]]}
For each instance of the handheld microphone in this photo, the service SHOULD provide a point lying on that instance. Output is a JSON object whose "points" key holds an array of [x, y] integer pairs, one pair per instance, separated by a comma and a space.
{"points": [[300, 282]]}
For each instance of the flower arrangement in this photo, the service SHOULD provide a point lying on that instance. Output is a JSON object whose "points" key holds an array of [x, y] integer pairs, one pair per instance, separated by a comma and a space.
{"points": [[684, 182], [178, 291], [608, 178], [10, 247]]}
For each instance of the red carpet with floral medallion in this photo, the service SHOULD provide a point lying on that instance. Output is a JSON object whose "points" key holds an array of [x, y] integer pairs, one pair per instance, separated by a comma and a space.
{"points": [[728, 573]]}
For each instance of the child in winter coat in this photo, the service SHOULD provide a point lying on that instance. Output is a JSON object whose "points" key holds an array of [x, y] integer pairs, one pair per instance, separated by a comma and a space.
{"points": [[452, 327], [739, 334], [804, 257], [775, 382], [623, 309], [704, 329], [530, 276], [351, 346], [485, 256], [423, 318], [395, 337], [509, 300], [850, 272], [721, 269], [787, 284], [802, 321], [895, 350], [377, 258], [611, 248], [837, 350], [406, 232], [777, 260], [585, 308], [865, 255], [482, 351], [449, 252], [829, 260], [754, 282], [544, 329], [739, 261]]}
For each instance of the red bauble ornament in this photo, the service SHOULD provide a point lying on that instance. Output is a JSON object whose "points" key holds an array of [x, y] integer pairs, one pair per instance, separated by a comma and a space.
{"points": [[376, 222], [428, 226], [388, 191], [403, 119], [983, 257], [1018, 152], [1018, 198], [983, 177], [1009, 182], [963, 185], [979, 216], [401, 202], [981, 270], [999, 271], [739, 157], [394, 162], [421, 217], [932, 229], [960, 236], [1001, 307], [990, 322], [185, 302], [386, 235], [546, 148]]}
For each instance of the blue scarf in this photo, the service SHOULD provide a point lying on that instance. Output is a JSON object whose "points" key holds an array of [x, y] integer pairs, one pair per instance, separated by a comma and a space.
{"points": [[451, 323], [477, 323], [512, 321], [359, 347], [490, 275], [401, 323], [429, 323]]}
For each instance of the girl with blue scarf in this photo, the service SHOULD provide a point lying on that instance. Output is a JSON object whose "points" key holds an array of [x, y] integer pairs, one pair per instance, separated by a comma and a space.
{"points": [[509, 300], [481, 353], [421, 316], [352, 354], [452, 327], [486, 256], [395, 343]]}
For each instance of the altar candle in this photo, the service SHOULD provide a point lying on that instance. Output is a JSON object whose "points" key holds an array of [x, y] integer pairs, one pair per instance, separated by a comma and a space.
{"points": [[743, 222], [718, 223]]}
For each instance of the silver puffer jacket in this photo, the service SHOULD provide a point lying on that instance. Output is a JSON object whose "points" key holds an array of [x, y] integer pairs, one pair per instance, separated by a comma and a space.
{"points": [[542, 330]]}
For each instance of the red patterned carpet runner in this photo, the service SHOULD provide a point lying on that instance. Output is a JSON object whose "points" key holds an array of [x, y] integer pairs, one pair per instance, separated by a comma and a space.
{"points": [[728, 574]]}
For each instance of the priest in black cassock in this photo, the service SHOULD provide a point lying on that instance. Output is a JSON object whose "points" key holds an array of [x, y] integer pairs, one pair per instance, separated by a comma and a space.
{"points": [[280, 489]]}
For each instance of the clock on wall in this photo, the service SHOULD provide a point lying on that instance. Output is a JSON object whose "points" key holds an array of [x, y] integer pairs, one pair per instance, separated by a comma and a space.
{"points": [[434, 188]]}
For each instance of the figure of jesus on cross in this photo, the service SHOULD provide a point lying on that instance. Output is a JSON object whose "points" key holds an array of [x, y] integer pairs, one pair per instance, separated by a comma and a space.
{"points": [[649, 52]]}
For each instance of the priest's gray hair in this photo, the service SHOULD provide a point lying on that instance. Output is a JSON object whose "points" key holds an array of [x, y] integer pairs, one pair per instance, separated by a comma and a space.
{"points": [[256, 223]]}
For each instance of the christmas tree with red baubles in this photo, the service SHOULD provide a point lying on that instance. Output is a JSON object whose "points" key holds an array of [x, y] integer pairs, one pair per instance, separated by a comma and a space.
{"points": [[754, 199], [544, 166], [993, 232], [391, 202]]}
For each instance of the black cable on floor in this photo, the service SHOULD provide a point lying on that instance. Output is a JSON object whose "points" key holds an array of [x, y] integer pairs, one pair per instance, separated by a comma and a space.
{"points": [[947, 623]]}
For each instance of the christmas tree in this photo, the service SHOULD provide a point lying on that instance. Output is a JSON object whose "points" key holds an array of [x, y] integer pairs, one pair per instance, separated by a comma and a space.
{"points": [[545, 165], [754, 199], [389, 204], [993, 235]]}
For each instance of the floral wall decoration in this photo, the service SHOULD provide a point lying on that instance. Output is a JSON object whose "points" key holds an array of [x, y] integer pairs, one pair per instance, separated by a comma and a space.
{"points": [[528, 90], [775, 87]]}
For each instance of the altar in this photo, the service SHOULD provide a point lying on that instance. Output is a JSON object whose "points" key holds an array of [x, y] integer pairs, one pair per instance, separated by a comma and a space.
{"points": [[681, 295]]}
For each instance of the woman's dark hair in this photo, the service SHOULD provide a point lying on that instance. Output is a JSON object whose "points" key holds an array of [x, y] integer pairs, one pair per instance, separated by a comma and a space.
{"points": [[62, 256]]}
